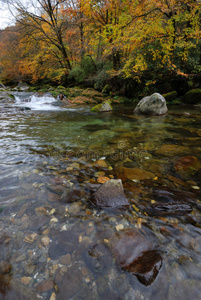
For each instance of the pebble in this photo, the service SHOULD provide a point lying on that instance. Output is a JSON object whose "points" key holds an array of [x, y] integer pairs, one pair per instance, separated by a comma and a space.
{"points": [[30, 238], [119, 227], [45, 286], [26, 280], [74, 166], [65, 260], [195, 187], [53, 220], [53, 296], [45, 240], [39, 211]]}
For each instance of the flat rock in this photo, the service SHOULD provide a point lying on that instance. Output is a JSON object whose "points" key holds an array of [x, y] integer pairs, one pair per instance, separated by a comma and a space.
{"points": [[63, 242], [110, 194], [172, 150], [136, 254], [134, 174]]}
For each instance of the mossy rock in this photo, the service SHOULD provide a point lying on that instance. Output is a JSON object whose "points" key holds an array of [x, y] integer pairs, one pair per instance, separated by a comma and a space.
{"points": [[192, 96], [105, 106], [170, 96]]}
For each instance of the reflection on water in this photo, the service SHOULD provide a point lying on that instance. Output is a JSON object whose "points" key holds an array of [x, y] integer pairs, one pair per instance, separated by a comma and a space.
{"points": [[55, 245]]}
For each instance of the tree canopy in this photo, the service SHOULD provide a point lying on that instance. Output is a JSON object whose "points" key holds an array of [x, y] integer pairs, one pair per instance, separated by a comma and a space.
{"points": [[58, 40]]}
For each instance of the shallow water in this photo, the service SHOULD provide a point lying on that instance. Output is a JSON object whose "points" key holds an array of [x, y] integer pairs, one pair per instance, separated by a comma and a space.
{"points": [[57, 246]]}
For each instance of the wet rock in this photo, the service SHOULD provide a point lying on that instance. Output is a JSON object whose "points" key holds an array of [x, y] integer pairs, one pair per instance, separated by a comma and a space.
{"points": [[73, 195], [45, 240], [152, 105], [146, 267], [134, 174], [134, 253], [187, 165], [98, 258], [30, 238], [65, 260], [26, 280], [172, 150], [185, 290], [101, 163], [71, 283], [4, 283], [56, 189], [5, 267], [39, 211], [45, 286], [38, 222], [173, 209], [171, 202], [110, 194], [63, 242], [103, 179]]}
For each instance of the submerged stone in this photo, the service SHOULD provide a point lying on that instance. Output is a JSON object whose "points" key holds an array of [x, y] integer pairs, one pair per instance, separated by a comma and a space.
{"points": [[134, 174], [152, 105], [172, 150], [110, 194], [136, 255], [162, 209], [187, 165], [171, 202]]}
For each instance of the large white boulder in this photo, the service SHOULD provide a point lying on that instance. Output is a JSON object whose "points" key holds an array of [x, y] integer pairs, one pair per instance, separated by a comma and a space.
{"points": [[152, 105]]}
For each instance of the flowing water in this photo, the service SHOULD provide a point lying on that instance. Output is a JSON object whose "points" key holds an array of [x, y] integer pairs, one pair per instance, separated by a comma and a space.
{"points": [[54, 244]]}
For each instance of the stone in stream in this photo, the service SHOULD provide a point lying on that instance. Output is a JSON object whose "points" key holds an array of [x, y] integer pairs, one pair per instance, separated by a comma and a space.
{"points": [[103, 107], [187, 165], [110, 194], [152, 105], [136, 255], [171, 202], [63, 242]]}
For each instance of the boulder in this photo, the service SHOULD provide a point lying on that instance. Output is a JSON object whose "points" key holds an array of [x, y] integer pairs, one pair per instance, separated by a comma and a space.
{"points": [[136, 255], [152, 105], [110, 194], [192, 96], [23, 86], [4, 97], [170, 96], [103, 107]]}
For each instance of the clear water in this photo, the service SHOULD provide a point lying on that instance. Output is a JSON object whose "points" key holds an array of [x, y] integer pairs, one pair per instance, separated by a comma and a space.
{"points": [[51, 243]]}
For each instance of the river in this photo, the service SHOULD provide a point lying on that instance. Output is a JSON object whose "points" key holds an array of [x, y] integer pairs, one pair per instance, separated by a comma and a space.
{"points": [[54, 244]]}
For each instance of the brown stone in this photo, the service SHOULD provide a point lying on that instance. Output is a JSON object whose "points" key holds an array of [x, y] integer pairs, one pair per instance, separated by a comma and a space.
{"points": [[101, 163], [172, 150], [45, 286], [110, 194], [102, 179], [187, 165], [134, 174], [136, 254]]}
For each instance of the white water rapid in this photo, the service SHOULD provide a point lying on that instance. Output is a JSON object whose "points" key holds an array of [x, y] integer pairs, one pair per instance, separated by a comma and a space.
{"points": [[36, 101]]}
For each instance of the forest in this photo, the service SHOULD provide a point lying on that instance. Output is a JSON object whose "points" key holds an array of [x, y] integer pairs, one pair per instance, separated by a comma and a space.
{"points": [[127, 46]]}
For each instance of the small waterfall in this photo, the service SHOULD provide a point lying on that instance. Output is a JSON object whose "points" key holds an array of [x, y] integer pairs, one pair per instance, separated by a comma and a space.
{"points": [[36, 101]]}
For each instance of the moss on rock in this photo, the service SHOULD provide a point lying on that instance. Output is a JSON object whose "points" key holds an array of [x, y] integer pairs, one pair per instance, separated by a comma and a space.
{"points": [[170, 96], [192, 96], [105, 106]]}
